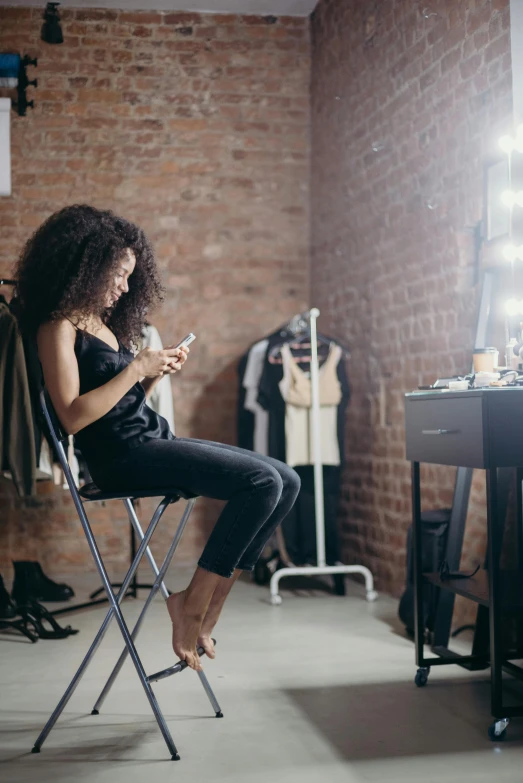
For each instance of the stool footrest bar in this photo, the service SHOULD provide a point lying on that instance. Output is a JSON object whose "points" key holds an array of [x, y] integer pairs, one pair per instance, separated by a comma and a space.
{"points": [[178, 667]]}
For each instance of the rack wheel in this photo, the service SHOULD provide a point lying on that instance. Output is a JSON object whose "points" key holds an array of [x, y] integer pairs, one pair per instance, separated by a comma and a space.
{"points": [[372, 595], [422, 676], [276, 600], [498, 729]]}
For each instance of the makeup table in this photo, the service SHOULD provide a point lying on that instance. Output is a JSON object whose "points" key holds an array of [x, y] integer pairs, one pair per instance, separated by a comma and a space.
{"points": [[477, 428]]}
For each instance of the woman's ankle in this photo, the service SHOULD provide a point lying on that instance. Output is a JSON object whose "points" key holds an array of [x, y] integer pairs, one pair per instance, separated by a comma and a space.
{"points": [[193, 606]]}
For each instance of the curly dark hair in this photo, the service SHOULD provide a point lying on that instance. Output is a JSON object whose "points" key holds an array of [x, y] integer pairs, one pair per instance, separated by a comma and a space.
{"points": [[67, 265]]}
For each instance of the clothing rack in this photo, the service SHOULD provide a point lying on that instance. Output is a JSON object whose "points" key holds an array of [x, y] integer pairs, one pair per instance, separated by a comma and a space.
{"points": [[297, 324]]}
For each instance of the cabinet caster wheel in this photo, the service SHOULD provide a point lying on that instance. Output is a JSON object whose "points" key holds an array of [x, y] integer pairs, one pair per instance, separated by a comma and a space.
{"points": [[372, 595], [421, 678], [498, 729], [276, 600]]}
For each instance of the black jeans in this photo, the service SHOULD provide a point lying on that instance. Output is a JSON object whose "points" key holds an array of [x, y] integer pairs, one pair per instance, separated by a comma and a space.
{"points": [[260, 491]]}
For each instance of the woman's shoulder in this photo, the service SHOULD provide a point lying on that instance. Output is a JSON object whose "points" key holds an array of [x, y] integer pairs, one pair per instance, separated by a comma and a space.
{"points": [[60, 329]]}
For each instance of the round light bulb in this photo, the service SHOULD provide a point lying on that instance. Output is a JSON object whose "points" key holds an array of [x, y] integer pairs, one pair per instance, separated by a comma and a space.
{"points": [[512, 307], [518, 144], [508, 197], [510, 252], [507, 144]]}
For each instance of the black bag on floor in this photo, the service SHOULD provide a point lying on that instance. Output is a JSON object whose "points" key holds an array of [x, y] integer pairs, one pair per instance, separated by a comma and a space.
{"points": [[435, 528]]}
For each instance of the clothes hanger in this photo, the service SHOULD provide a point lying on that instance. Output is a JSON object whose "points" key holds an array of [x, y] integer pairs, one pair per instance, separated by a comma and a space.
{"points": [[5, 281]]}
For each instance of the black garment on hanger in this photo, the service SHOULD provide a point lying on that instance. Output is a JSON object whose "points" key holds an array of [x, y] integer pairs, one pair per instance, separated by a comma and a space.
{"points": [[36, 382], [299, 527], [17, 446], [245, 421], [246, 418]]}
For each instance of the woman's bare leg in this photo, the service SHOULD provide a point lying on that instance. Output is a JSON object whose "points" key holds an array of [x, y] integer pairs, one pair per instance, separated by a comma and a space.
{"points": [[218, 599], [188, 610]]}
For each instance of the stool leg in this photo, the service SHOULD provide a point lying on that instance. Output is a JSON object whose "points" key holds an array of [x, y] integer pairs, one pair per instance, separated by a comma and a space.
{"points": [[210, 694], [136, 523], [146, 685], [158, 581], [114, 610]]}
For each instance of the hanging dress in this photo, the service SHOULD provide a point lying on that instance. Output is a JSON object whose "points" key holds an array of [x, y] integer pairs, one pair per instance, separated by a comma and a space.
{"points": [[295, 389]]}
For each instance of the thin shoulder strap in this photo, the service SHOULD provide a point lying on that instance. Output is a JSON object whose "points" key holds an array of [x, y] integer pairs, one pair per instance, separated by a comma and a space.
{"points": [[73, 324]]}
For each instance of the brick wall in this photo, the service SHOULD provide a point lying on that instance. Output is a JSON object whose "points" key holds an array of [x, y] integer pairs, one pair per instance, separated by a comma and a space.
{"points": [[392, 251], [197, 127]]}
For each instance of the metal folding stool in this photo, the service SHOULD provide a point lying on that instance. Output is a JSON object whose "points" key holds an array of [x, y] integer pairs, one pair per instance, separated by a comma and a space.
{"points": [[90, 493]]}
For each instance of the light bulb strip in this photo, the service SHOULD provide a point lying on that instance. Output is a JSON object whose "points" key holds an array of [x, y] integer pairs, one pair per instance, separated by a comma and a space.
{"points": [[513, 307]]}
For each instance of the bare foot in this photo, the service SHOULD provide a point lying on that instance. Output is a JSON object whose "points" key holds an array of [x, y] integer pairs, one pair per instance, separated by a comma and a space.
{"points": [[186, 629]]}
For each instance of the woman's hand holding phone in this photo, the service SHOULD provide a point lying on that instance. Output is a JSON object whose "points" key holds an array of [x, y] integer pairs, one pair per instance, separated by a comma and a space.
{"points": [[170, 359]]}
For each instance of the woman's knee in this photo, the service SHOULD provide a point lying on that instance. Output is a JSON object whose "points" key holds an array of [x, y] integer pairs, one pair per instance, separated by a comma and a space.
{"points": [[291, 480], [268, 479]]}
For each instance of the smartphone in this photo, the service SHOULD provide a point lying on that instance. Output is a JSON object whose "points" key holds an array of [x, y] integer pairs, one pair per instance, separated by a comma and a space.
{"points": [[186, 340]]}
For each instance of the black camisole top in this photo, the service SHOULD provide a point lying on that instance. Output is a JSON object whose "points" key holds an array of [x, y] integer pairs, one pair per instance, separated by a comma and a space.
{"points": [[131, 422]]}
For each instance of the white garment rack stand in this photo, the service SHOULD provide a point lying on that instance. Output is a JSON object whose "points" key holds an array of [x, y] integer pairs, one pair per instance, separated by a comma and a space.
{"points": [[321, 567]]}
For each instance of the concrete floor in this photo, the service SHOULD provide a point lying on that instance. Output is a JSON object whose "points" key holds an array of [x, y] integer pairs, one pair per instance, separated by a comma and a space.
{"points": [[318, 689]]}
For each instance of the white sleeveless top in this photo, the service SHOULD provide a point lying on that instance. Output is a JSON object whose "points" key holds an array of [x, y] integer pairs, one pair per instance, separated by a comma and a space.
{"points": [[295, 388]]}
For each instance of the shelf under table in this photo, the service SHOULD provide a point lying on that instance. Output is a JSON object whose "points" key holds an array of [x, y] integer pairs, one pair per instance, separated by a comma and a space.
{"points": [[476, 588]]}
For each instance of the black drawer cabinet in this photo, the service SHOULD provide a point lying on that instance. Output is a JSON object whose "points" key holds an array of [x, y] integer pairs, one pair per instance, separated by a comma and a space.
{"points": [[446, 431], [480, 428]]}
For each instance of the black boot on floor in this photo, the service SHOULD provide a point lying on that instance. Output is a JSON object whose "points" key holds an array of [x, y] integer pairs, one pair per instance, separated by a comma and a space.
{"points": [[7, 607], [31, 584]]}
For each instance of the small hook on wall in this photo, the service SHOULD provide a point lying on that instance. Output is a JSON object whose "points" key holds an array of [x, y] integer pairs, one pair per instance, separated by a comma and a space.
{"points": [[427, 13]]}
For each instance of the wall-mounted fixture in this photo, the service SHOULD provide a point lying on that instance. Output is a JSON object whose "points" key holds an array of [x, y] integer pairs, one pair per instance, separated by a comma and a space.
{"points": [[22, 104], [13, 74], [427, 13], [51, 28]]}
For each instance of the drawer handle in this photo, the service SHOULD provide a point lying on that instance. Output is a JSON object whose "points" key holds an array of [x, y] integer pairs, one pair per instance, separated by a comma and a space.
{"points": [[440, 432]]}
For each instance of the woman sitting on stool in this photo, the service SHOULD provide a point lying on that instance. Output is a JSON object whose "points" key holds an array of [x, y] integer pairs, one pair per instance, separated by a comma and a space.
{"points": [[86, 280]]}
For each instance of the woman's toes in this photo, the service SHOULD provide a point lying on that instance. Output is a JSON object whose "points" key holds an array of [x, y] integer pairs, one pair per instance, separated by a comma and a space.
{"points": [[195, 662], [208, 646]]}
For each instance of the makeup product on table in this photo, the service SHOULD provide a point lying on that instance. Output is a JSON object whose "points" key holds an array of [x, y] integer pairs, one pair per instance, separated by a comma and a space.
{"points": [[485, 359]]}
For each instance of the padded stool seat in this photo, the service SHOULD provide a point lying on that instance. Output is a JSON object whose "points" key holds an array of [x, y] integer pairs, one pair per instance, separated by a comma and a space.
{"points": [[92, 492]]}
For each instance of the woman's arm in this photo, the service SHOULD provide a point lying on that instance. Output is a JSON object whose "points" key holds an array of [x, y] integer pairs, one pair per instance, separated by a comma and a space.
{"points": [[180, 355], [149, 384], [60, 367]]}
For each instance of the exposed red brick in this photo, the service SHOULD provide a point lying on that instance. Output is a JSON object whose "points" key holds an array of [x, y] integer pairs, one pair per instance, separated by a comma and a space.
{"points": [[386, 270], [119, 122], [137, 17], [183, 19]]}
